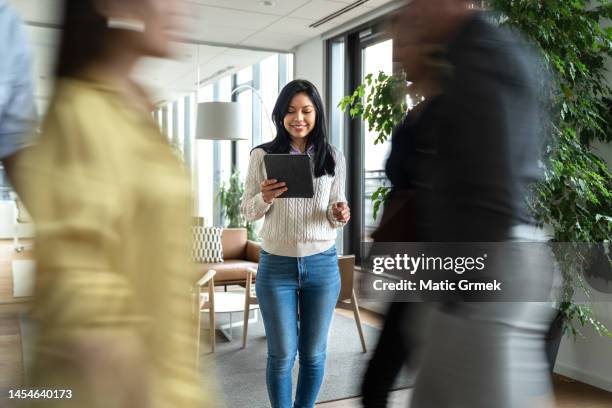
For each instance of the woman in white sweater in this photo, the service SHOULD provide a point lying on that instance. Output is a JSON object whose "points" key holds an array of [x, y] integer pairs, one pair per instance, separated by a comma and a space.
{"points": [[298, 268]]}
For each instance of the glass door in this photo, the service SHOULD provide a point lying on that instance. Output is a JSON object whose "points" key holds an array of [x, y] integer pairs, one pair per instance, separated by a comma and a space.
{"points": [[351, 57], [375, 57]]}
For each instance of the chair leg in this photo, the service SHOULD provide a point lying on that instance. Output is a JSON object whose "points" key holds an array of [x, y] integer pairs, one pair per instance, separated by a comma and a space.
{"points": [[16, 246], [247, 305], [358, 321], [245, 326], [196, 311], [211, 313]]}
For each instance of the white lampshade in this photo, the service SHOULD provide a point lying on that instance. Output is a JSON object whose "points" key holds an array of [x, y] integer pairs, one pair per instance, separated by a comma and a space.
{"points": [[220, 121]]}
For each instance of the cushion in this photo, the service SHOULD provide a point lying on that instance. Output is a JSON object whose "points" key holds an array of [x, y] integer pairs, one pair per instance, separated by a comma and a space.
{"points": [[234, 241], [252, 251], [207, 244]]}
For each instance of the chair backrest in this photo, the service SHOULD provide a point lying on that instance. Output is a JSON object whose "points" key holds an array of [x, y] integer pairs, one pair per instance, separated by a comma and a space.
{"points": [[346, 263], [234, 243]]}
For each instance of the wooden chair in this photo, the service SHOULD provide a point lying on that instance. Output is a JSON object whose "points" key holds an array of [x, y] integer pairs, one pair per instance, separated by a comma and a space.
{"points": [[346, 300], [249, 299], [238, 254], [202, 303], [22, 220]]}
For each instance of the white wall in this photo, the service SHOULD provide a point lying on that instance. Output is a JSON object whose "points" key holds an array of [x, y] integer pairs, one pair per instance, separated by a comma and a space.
{"points": [[604, 151], [589, 359], [310, 63]]}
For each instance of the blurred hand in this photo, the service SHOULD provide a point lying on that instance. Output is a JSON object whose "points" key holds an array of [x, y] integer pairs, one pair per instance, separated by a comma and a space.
{"points": [[271, 188], [341, 212]]}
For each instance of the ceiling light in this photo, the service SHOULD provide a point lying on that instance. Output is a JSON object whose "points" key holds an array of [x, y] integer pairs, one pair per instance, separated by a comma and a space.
{"points": [[338, 13]]}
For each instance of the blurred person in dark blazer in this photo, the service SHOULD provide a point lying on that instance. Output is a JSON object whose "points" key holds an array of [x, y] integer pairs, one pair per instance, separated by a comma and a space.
{"points": [[406, 216], [483, 130]]}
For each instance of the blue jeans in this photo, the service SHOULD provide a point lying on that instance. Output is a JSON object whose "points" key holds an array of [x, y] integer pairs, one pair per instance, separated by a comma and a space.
{"points": [[285, 285]]}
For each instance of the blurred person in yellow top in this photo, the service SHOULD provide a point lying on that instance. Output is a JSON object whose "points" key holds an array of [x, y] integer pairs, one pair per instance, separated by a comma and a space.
{"points": [[111, 203]]}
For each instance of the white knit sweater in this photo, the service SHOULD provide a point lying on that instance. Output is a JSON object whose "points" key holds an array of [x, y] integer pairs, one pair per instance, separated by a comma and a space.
{"points": [[295, 226]]}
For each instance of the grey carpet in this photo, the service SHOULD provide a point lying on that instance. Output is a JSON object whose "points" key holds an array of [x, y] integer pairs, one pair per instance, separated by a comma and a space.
{"points": [[241, 374]]}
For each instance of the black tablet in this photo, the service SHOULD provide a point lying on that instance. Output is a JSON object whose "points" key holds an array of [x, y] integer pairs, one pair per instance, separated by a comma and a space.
{"points": [[294, 170]]}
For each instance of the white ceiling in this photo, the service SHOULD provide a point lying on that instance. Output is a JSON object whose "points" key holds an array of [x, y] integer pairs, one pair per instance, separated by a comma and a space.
{"points": [[234, 34]]}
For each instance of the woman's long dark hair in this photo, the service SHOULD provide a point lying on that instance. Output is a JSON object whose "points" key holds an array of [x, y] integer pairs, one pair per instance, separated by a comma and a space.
{"points": [[84, 35], [324, 162]]}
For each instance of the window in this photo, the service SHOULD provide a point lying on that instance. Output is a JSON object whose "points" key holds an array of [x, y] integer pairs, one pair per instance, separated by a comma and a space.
{"points": [[203, 152], [337, 92], [269, 93], [179, 118], [243, 94], [245, 98], [170, 122], [376, 57], [244, 76], [223, 150], [352, 56], [212, 162]]}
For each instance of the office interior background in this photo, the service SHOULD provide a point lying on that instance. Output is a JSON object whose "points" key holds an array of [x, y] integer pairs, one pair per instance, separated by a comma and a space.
{"points": [[246, 51]]}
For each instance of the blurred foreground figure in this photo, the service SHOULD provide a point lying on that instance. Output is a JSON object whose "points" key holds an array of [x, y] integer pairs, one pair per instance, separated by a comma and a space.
{"points": [[407, 218], [112, 207], [470, 153], [17, 108]]}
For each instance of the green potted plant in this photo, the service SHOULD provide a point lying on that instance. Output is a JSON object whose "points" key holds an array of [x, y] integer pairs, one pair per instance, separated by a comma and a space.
{"points": [[574, 198], [230, 197], [381, 101]]}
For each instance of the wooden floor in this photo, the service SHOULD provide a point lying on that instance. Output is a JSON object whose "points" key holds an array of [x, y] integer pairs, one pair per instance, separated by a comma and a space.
{"points": [[568, 393]]}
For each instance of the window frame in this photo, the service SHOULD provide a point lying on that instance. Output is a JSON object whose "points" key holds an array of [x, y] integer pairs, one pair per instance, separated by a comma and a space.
{"points": [[355, 41]]}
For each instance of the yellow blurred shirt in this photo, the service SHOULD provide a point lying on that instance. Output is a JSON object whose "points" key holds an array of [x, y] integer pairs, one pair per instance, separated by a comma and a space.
{"points": [[111, 203]]}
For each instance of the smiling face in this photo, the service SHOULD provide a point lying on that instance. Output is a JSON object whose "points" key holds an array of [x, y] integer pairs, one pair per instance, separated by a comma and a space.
{"points": [[300, 118]]}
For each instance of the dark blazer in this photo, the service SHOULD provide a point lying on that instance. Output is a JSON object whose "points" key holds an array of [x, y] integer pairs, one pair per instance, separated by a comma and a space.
{"points": [[473, 153], [410, 168]]}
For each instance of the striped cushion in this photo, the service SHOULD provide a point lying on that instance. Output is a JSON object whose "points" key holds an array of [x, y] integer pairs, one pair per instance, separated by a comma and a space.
{"points": [[207, 244]]}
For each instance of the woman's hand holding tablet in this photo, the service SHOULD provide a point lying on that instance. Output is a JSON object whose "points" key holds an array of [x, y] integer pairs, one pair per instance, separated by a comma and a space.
{"points": [[270, 189]]}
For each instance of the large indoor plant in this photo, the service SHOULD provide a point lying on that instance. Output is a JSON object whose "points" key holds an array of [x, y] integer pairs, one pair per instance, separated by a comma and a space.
{"points": [[574, 198], [230, 197], [381, 102]]}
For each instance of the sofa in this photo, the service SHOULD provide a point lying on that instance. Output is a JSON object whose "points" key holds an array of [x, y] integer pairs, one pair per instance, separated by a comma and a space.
{"points": [[239, 253]]}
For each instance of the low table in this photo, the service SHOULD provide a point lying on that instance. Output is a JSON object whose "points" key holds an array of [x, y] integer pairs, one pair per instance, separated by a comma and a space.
{"points": [[230, 303]]}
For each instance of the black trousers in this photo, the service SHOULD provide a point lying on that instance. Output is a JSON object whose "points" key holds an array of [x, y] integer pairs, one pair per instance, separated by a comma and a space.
{"points": [[389, 357]]}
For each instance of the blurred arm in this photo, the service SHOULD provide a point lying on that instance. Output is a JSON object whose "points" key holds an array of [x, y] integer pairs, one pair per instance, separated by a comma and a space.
{"points": [[17, 107]]}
